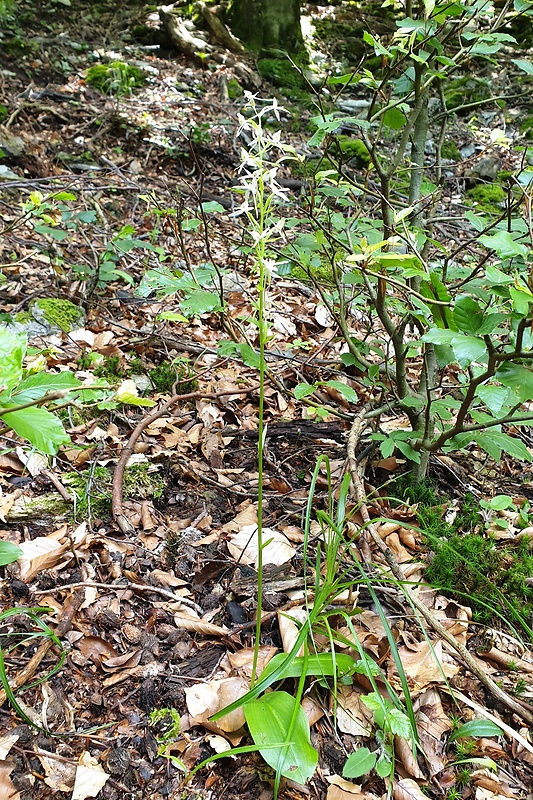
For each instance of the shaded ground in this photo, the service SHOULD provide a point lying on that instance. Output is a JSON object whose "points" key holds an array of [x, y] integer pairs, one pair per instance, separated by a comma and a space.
{"points": [[140, 636]]}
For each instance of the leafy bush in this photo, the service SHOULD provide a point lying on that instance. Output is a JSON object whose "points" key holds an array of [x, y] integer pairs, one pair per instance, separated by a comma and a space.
{"points": [[23, 395]]}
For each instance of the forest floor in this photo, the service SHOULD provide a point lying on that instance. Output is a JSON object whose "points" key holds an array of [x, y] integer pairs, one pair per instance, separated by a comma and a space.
{"points": [[157, 619]]}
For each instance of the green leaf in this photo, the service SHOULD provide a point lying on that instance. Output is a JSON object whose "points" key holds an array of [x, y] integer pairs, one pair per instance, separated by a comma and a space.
{"points": [[318, 665], [491, 439], [501, 502], [523, 64], [36, 386], [467, 314], [384, 765], [407, 451], [303, 390], [394, 118], [9, 553], [478, 729], [12, 352], [399, 723], [200, 302], [504, 244], [55, 233], [522, 299], [439, 336], [518, 378], [495, 275], [359, 763], [468, 348], [346, 391], [41, 428], [127, 393], [387, 447], [64, 196], [249, 355], [490, 322], [269, 719], [213, 207], [494, 397]]}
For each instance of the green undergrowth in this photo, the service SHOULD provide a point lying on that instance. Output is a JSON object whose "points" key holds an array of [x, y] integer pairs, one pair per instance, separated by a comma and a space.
{"points": [[468, 563], [489, 197], [116, 78]]}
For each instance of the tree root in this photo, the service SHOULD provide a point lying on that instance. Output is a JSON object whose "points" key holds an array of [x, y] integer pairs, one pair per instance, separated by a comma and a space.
{"points": [[357, 475]]}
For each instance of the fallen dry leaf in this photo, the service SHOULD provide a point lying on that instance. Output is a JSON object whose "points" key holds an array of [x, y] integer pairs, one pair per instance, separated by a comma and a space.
{"points": [[90, 777], [60, 775], [244, 548], [407, 789], [205, 699], [7, 790]]}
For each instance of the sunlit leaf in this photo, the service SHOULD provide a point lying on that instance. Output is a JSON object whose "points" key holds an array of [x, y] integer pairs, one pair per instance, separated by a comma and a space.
{"points": [[269, 719]]}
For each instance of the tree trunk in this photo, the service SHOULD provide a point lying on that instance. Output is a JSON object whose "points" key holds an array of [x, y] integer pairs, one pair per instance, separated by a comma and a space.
{"points": [[263, 24]]}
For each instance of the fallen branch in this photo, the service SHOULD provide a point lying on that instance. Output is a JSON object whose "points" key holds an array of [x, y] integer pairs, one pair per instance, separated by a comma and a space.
{"points": [[357, 475]]}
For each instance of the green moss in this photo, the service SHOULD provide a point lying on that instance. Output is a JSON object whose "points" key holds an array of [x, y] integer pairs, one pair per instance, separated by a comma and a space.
{"points": [[62, 313], [280, 72], [235, 89], [526, 127], [450, 150], [140, 480], [488, 196], [468, 564], [135, 366], [23, 317], [350, 148], [116, 78], [467, 89], [168, 373], [322, 274], [163, 376], [92, 487], [165, 724], [110, 369]]}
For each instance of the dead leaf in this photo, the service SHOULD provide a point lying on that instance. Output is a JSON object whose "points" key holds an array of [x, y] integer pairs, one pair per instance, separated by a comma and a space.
{"points": [[407, 789], [243, 546], [426, 664], [60, 775], [352, 714], [90, 777], [7, 790], [405, 755], [94, 649], [205, 699], [190, 623]]}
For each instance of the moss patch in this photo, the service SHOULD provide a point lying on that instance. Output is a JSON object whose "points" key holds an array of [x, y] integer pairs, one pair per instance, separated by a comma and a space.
{"points": [[116, 78], [467, 89], [90, 489], [469, 564], [488, 196], [350, 148], [280, 72], [450, 150], [235, 89], [62, 313], [141, 480]]}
